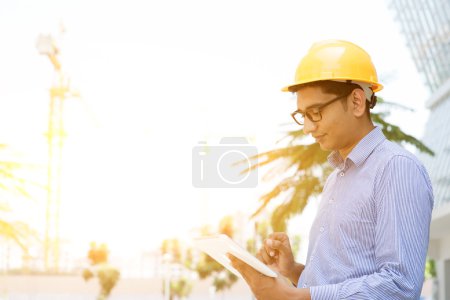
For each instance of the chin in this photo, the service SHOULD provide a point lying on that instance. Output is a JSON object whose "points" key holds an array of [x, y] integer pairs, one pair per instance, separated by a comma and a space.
{"points": [[326, 147]]}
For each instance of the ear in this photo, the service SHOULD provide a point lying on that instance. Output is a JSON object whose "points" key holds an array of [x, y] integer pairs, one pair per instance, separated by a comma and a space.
{"points": [[358, 102]]}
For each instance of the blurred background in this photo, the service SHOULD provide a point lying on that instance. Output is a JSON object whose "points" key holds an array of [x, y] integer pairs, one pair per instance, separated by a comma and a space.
{"points": [[105, 105]]}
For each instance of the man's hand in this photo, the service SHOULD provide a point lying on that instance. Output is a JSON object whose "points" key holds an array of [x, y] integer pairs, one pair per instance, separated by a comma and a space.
{"points": [[267, 288], [262, 286], [277, 254]]}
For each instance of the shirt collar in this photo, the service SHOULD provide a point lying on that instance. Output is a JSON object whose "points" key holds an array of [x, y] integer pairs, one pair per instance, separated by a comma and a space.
{"points": [[361, 151]]}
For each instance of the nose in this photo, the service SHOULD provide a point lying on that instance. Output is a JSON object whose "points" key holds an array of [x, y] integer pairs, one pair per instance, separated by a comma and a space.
{"points": [[309, 126]]}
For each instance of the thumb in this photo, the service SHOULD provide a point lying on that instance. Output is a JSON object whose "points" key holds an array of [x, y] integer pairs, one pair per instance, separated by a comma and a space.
{"points": [[279, 246]]}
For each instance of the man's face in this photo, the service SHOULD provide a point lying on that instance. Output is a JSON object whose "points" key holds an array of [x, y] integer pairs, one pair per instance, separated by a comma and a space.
{"points": [[334, 130]]}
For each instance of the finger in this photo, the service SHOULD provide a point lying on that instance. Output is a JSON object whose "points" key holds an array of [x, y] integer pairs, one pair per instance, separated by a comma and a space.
{"points": [[259, 257], [267, 245], [246, 271], [265, 258], [274, 245], [235, 262], [270, 249], [239, 264]]}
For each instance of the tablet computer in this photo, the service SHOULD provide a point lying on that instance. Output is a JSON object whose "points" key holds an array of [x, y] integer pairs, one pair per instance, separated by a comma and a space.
{"points": [[217, 246]]}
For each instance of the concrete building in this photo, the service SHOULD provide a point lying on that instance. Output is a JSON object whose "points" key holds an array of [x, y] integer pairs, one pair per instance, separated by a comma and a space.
{"points": [[425, 25]]}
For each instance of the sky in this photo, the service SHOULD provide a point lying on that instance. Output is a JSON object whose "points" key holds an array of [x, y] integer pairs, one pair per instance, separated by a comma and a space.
{"points": [[157, 77]]}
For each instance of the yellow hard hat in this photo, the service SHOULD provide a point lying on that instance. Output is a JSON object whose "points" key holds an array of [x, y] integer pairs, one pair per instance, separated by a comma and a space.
{"points": [[335, 60]]}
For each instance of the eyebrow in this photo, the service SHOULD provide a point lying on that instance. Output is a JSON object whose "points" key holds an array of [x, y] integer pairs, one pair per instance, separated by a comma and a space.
{"points": [[311, 106]]}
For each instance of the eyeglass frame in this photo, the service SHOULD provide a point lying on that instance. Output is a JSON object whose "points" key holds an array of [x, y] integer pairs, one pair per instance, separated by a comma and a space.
{"points": [[319, 108]]}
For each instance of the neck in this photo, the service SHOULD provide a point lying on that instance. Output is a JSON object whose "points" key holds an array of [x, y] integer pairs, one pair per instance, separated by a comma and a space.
{"points": [[344, 152]]}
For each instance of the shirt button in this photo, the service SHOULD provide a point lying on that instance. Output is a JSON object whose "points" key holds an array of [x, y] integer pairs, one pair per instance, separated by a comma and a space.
{"points": [[342, 174], [331, 201], [312, 258], [305, 285], [321, 229]]}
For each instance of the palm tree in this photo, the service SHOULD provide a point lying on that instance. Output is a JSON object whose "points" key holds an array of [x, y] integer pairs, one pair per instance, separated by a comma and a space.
{"points": [[307, 168], [12, 183]]}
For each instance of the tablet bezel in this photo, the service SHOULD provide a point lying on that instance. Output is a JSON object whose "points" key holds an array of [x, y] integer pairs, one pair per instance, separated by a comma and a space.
{"points": [[217, 246]]}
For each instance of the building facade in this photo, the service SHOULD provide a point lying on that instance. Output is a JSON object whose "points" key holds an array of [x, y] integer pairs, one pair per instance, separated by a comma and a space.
{"points": [[425, 25]]}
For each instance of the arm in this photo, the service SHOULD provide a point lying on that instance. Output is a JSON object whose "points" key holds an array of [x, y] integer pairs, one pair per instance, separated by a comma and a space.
{"points": [[403, 204]]}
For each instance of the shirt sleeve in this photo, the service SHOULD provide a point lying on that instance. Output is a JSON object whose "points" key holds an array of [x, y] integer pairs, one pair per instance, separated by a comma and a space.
{"points": [[403, 204]]}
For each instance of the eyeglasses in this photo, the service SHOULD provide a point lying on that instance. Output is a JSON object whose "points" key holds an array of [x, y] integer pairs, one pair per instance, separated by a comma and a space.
{"points": [[314, 113]]}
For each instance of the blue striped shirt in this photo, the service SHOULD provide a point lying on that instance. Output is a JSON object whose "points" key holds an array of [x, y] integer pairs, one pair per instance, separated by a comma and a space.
{"points": [[370, 236]]}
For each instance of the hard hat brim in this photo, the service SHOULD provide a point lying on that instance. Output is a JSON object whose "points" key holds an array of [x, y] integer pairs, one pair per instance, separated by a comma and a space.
{"points": [[376, 87]]}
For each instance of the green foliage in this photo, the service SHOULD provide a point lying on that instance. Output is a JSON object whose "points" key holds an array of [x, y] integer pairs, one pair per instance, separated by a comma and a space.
{"points": [[226, 226], [262, 229], [393, 132], [87, 274], [181, 287], [251, 246], [172, 247], [188, 261], [107, 275], [295, 244], [306, 169], [430, 269], [108, 278], [224, 280], [207, 266]]}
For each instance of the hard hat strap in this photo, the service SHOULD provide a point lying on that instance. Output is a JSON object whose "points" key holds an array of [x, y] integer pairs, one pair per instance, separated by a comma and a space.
{"points": [[373, 101]]}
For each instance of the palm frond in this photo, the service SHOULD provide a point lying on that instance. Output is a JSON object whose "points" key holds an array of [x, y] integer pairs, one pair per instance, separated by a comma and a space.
{"points": [[19, 232]]}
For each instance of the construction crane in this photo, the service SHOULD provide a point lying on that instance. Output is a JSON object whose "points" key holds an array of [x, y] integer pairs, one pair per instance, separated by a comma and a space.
{"points": [[59, 91]]}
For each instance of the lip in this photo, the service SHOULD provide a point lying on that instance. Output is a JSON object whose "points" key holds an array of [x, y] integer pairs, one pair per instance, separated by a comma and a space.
{"points": [[318, 137]]}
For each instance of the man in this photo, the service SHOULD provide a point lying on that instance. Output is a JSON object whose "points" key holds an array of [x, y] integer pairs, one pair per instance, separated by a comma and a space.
{"points": [[370, 236]]}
